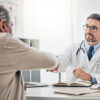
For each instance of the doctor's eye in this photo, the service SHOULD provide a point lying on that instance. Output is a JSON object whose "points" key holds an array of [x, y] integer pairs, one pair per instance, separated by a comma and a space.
{"points": [[92, 28]]}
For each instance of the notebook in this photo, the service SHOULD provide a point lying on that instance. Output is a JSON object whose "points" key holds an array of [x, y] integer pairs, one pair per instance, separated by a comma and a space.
{"points": [[34, 84], [73, 84]]}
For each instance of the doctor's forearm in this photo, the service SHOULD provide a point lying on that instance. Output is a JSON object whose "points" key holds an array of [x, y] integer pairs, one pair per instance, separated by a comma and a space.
{"points": [[80, 73]]}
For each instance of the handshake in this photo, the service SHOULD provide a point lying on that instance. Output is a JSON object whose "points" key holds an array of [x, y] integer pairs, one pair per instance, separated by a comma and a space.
{"points": [[77, 72]]}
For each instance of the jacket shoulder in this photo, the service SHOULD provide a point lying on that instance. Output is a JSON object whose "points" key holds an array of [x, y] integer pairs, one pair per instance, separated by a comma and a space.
{"points": [[74, 46]]}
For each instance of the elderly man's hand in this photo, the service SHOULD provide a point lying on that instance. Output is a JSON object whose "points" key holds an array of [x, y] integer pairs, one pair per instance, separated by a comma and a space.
{"points": [[79, 73], [53, 70]]}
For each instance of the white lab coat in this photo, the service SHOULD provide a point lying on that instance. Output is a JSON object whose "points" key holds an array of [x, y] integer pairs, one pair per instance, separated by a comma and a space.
{"points": [[69, 58]]}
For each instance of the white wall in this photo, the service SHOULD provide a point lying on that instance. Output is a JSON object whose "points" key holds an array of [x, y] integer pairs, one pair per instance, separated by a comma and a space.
{"points": [[48, 20], [81, 10]]}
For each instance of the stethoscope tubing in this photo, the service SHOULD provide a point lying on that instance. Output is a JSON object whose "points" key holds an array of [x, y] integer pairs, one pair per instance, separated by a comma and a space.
{"points": [[80, 48]]}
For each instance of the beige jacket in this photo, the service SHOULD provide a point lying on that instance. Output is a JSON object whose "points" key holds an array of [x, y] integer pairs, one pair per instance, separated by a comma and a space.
{"points": [[16, 56]]}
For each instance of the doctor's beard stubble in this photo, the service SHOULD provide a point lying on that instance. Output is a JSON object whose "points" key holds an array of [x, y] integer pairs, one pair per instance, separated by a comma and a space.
{"points": [[90, 37]]}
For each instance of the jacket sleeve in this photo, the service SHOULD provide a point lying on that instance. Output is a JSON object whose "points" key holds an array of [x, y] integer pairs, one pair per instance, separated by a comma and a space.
{"points": [[20, 56], [97, 76], [65, 59]]}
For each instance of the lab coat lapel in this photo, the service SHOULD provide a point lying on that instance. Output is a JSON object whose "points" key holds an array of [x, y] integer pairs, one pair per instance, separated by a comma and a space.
{"points": [[97, 54], [93, 61], [85, 52], [84, 58]]}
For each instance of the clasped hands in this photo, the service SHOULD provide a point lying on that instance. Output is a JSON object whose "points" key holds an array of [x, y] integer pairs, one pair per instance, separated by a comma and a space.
{"points": [[79, 73]]}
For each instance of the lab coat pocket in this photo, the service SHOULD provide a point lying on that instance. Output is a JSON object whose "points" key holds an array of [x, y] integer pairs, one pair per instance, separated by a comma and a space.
{"points": [[98, 68]]}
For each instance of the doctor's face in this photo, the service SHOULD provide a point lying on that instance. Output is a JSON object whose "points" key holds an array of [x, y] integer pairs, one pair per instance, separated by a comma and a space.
{"points": [[92, 31]]}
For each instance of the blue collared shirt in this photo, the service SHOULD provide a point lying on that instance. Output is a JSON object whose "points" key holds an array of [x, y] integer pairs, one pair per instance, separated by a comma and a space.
{"points": [[87, 46], [96, 47]]}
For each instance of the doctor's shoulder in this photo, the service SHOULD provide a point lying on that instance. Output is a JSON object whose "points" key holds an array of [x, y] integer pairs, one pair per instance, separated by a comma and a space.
{"points": [[72, 47]]}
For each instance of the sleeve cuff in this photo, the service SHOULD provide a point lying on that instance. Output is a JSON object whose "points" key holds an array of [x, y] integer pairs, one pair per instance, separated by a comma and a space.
{"points": [[94, 81]]}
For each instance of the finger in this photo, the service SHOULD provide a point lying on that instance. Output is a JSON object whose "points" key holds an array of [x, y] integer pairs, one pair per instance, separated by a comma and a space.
{"points": [[76, 76], [47, 70], [50, 70], [74, 71], [56, 68]]}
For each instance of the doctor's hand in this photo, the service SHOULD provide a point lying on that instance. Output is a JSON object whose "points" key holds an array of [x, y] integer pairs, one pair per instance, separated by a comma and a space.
{"points": [[79, 73]]}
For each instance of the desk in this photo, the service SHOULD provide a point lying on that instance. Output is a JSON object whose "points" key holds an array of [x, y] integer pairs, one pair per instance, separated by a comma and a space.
{"points": [[46, 93]]}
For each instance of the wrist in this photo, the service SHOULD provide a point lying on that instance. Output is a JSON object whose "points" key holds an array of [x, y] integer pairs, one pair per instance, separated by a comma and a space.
{"points": [[89, 77], [93, 79]]}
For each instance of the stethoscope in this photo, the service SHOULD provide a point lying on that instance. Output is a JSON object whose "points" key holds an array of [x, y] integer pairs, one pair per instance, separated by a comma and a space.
{"points": [[80, 48]]}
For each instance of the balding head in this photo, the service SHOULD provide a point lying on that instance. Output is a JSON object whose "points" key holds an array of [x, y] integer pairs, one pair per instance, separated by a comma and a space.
{"points": [[4, 15], [5, 24]]}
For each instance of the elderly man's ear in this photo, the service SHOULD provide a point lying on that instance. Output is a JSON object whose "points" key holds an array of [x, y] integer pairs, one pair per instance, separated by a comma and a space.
{"points": [[4, 27]]}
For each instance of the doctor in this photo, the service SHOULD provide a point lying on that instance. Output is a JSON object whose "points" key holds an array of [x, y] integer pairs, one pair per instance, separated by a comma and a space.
{"points": [[84, 57]]}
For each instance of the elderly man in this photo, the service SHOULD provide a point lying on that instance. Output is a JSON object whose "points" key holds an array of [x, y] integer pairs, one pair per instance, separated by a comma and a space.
{"points": [[84, 58], [16, 56]]}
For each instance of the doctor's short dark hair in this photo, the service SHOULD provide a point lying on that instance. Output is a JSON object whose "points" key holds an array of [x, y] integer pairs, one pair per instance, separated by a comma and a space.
{"points": [[95, 16]]}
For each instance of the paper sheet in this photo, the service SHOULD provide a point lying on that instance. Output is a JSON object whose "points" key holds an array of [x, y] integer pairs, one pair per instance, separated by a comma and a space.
{"points": [[78, 91]]}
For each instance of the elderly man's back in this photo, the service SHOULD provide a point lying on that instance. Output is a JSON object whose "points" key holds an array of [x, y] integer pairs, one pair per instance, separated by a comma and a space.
{"points": [[16, 56]]}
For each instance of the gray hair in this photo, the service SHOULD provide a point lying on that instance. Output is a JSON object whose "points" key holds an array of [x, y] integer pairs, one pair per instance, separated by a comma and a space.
{"points": [[94, 16], [4, 15]]}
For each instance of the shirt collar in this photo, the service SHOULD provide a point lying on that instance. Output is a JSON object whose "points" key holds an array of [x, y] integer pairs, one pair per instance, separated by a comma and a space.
{"points": [[87, 46]]}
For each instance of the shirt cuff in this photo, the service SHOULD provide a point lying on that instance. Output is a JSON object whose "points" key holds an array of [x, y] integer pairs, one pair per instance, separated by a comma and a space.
{"points": [[94, 81]]}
